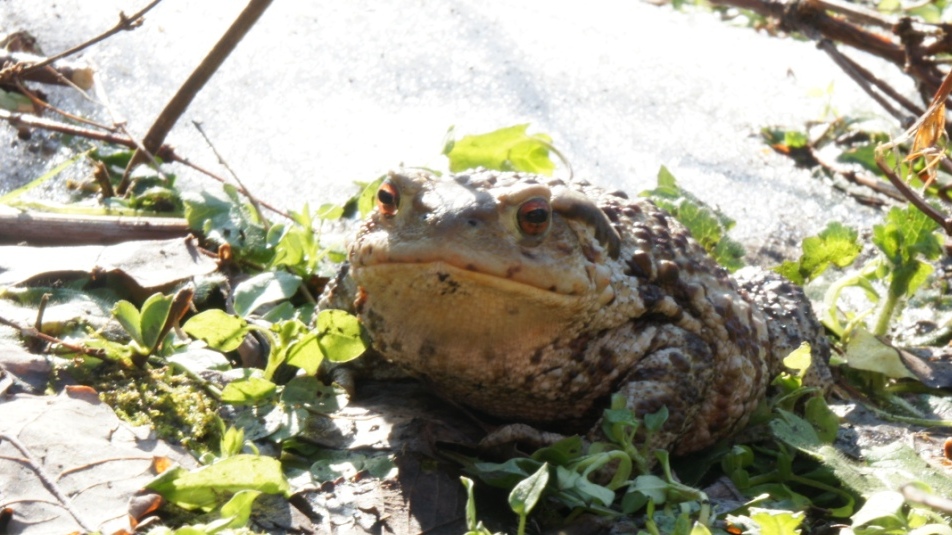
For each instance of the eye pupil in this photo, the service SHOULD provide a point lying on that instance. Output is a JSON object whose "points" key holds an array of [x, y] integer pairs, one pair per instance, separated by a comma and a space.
{"points": [[537, 216], [533, 217], [388, 199]]}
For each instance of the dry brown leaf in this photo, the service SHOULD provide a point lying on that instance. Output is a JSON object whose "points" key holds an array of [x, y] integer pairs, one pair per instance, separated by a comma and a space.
{"points": [[75, 445]]}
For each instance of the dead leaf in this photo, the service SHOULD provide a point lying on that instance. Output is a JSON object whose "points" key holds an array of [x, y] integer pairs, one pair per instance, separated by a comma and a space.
{"points": [[72, 446], [150, 265], [143, 504], [930, 133], [931, 365]]}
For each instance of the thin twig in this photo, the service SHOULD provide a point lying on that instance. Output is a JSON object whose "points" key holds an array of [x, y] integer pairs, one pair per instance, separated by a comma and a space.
{"points": [[31, 332], [241, 185], [810, 18], [40, 103], [199, 77], [31, 121], [856, 13], [912, 196], [871, 182], [123, 127], [125, 23], [866, 81], [188, 163], [165, 152]]}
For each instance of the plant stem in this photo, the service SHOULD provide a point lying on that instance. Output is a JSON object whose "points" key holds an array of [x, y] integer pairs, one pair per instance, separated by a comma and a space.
{"points": [[886, 313]]}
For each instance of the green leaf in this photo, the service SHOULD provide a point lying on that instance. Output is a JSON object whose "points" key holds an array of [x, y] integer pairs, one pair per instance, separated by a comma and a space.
{"points": [[799, 359], [471, 520], [836, 244], [301, 390], [907, 233], [824, 420], [896, 464], [218, 329], [866, 352], [247, 391], [777, 522], [306, 354], [128, 316], [527, 492], [232, 442], [264, 288], [562, 452], [206, 487], [290, 245], [11, 197], [155, 311], [331, 465], [795, 139], [15, 102], [794, 430], [655, 420], [884, 508], [238, 508], [506, 149], [651, 487], [228, 220], [578, 484], [863, 155], [785, 140], [699, 529], [367, 200], [339, 335], [329, 211], [508, 474], [198, 360], [705, 224], [297, 246]]}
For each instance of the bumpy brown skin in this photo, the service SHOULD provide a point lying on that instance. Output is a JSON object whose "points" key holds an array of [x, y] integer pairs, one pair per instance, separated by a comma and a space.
{"points": [[613, 297]]}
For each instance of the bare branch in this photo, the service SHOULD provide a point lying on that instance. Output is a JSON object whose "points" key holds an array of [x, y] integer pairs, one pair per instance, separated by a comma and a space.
{"points": [[31, 121], [62, 229], [199, 77]]}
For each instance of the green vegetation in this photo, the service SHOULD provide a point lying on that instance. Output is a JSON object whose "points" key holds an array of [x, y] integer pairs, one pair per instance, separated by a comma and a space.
{"points": [[708, 226], [792, 479]]}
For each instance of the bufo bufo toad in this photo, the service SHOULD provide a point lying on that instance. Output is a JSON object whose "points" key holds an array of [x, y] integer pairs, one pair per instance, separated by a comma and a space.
{"points": [[535, 299]]}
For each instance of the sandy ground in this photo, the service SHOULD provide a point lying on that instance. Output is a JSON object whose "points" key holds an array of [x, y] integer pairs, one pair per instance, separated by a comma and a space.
{"points": [[321, 94]]}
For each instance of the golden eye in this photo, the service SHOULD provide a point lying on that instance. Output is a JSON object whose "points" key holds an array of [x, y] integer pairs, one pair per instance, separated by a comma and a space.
{"points": [[533, 217], [388, 198]]}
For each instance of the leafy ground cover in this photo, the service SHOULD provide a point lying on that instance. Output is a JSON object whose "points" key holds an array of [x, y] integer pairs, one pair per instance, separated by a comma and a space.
{"points": [[223, 357]]}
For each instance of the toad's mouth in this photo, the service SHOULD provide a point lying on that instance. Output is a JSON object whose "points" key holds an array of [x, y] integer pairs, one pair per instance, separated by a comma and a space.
{"points": [[526, 274], [435, 307], [441, 278]]}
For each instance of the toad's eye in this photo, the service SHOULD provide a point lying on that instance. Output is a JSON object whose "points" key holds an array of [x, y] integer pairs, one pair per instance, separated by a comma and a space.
{"points": [[533, 217], [388, 198]]}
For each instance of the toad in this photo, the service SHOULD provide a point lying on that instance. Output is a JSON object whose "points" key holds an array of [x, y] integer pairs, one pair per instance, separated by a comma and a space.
{"points": [[535, 300]]}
